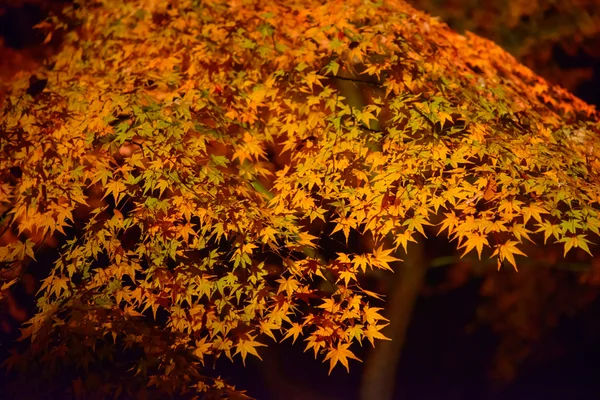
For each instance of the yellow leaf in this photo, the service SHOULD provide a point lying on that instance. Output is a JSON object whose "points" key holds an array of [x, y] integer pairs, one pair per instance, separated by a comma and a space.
{"points": [[450, 222], [371, 315], [355, 332], [330, 305], [341, 354], [403, 239], [289, 285], [115, 188], [534, 211], [294, 331], [360, 261], [372, 332], [519, 231], [507, 251], [267, 234], [381, 258], [305, 239], [578, 241], [476, 241], [267, 326], [347, 276], [184, 231], [245, 347], [202, 348], [549, 229]]}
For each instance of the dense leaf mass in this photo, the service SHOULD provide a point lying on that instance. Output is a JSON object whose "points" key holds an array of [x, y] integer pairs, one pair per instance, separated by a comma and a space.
{"points": [[150, 148]]}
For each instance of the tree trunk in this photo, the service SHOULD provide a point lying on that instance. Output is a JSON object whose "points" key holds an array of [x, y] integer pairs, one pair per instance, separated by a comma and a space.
{"points": [[379, 376]]}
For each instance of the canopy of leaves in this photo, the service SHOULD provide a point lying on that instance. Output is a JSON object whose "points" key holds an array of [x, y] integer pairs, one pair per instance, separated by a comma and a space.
{"points": [[198, 246]]}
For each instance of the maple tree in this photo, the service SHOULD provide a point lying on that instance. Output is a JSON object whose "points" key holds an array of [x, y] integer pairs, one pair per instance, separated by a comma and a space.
{"points": [[190, 156]]}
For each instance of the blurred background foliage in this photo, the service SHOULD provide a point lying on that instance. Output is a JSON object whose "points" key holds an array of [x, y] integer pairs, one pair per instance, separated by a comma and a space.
{"points": [[558, 39]]}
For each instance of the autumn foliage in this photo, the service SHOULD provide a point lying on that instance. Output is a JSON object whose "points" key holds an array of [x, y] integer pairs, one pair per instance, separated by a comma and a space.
{"points": [[189, 156]]}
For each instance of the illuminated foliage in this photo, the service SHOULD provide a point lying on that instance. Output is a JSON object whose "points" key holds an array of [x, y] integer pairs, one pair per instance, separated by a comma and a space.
{"points": [[200, 245]]}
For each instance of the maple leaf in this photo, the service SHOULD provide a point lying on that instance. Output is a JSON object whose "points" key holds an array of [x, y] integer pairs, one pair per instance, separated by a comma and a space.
{"points": [[506, 251], [373, 332], [371, 315], [289, 285], [315, 343], [550, 229], [347, 276], [381, 258], [330, 305], [340, 354], [355, 332], [450, 222], [247, 346], [576, 241], [293, 332], [115, 188], [267, 327], [533, 210], [474, 241]]}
